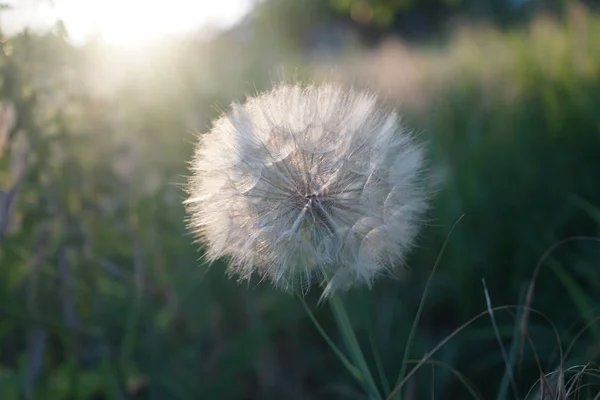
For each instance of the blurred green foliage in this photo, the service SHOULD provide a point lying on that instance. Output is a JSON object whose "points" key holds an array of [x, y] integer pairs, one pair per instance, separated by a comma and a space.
{"points": [[516, 118], [426, 18], [103, 294]]}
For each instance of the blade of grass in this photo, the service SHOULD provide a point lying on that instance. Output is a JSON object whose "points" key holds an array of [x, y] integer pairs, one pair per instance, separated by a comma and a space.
{"points": [[415, 323], [473, 391], [513, 354], [454, 333], [379, 365], [356, 354], [508, 371], [581, 301], [349, 366], [385, 384]]}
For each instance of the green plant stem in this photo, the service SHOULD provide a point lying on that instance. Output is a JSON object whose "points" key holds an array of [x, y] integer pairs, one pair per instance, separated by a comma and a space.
{"points": [[349, 337], [413, 328], [351, 368]]}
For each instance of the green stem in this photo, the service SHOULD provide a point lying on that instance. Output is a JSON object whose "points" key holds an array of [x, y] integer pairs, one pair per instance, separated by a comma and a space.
{"points": [[413, 328], [356, 354], [351, 368]]}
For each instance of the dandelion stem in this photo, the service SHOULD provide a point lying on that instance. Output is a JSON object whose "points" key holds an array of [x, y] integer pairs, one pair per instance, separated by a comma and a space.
{"points": [[343, 322]]}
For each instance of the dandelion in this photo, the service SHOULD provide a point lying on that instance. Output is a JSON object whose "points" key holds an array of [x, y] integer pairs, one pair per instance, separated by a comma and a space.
{"points": [[308, 183]]}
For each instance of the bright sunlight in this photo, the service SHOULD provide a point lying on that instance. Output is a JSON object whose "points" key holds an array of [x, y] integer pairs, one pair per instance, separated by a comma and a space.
{"points": [[131, 22]]}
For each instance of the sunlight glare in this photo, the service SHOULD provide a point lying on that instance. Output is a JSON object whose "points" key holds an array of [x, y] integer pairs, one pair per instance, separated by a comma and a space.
{"points": [[131, 22]]}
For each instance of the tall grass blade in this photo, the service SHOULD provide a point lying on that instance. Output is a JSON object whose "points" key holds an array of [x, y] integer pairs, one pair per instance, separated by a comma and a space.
{"points": [[349, 366], [413, 328], [356, 354], [508, 371]]}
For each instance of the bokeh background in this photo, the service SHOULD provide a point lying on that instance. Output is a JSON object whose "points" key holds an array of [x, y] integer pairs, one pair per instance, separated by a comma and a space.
{"points": [[102, 291]]}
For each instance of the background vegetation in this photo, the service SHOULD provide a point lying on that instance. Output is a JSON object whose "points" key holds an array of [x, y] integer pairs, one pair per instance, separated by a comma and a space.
{"points": [[102, 295]]}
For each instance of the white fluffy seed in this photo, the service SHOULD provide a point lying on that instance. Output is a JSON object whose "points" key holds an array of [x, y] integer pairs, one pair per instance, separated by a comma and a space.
{"points": [[308, 183]]}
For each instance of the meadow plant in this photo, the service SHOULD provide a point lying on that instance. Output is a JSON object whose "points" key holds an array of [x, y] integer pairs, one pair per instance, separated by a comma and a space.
{"points": [[310, 183]]}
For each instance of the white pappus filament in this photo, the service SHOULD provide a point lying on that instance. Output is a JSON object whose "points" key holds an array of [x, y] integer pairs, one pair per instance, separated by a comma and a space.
{"points": [[304, 183]]}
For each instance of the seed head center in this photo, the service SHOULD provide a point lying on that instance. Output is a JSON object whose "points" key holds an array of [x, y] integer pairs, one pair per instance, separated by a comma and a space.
{"points": [[315, 196]]}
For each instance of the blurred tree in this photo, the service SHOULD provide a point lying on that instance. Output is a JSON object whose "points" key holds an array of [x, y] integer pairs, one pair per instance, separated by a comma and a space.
{"points": [[416, 19]]}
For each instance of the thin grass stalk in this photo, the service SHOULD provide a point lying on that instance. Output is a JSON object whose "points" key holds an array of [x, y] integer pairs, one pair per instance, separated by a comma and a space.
{"points": [[513, 354], [415, 323], [462, 327], [379, 365], [349, 337], [349, 366], [508, 371]]}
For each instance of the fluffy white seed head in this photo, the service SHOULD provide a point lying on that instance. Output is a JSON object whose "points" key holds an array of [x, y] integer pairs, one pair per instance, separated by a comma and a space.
{"points": [[308, 183]]}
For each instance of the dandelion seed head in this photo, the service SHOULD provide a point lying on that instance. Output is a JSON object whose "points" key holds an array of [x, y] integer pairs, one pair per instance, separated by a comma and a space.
{"points": [[308, 183]]}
